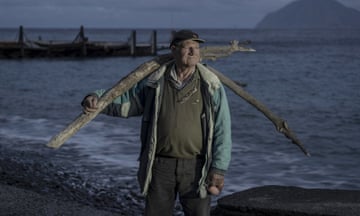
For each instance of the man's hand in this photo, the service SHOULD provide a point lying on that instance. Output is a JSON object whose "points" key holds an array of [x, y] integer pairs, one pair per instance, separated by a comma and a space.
{"points": [[215, 183], [90, 104]]}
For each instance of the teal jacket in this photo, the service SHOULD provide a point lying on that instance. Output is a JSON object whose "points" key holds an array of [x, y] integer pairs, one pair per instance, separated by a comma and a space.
{"points": [[144, 99]]}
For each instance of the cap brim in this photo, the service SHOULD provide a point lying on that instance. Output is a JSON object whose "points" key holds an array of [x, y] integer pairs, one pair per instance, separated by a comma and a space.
{"points": [[199, 40], [193, 39]]}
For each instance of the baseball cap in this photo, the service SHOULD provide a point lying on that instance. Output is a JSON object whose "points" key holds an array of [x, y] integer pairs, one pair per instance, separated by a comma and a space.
{"points": [[185, 35]]}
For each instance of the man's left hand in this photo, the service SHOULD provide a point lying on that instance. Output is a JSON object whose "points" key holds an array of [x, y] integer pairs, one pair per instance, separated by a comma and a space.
{"points": [[215, 183]]}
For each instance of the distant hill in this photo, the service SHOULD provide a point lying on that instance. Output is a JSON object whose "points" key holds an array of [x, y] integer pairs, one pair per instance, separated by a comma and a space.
{"points": [[312, 14]]}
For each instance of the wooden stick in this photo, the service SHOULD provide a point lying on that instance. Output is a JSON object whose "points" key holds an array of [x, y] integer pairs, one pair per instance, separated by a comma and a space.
{"points": [[123, 85], [279, 123], [147, 68]]}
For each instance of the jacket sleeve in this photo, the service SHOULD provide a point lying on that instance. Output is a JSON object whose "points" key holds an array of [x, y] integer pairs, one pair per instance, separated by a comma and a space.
{"points": [[130, 103], [221, 151]]}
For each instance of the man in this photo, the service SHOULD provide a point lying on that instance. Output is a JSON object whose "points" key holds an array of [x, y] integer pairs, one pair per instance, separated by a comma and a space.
{"points": [[185, 132]]}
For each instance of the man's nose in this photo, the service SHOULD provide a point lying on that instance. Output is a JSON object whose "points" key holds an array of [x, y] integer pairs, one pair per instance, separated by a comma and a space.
{"points": [[191, 51]]}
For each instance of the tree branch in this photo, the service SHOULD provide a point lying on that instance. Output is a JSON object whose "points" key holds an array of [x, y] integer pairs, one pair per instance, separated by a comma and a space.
{"points": [[123, 85], [140, 73], [280, 124]]}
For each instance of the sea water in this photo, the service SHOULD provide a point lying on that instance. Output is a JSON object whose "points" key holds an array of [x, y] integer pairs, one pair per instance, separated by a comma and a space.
{"points": [[310, 78]]}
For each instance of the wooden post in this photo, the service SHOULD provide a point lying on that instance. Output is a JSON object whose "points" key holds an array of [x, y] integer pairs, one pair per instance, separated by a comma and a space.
{"points": [[21, 41], [154, 43], [133, 43], [83, 41]]}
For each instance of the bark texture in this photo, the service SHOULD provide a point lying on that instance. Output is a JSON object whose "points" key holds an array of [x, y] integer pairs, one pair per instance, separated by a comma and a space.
{"points": [[123, 85], [147, 68]]}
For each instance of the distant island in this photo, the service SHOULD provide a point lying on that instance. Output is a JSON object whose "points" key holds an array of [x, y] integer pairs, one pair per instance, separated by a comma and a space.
{"points": [[302, 14]]}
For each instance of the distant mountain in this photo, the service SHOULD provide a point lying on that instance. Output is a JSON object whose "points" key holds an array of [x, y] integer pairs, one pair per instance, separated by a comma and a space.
{"points": [[312, 14]]}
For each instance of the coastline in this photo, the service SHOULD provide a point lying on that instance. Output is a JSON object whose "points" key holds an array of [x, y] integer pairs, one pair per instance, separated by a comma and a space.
{"points": [[28, 186], [272, 200]]}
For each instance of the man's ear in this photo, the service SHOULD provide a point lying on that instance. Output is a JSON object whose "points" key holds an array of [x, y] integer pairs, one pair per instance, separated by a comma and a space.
{"points": [[172, 49]]}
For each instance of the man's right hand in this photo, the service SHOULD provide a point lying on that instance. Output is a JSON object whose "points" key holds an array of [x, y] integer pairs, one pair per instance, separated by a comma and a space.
{"points": [[90, 104]]}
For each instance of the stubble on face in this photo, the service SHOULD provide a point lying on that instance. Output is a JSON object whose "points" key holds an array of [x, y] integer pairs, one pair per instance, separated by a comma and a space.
{"points": [[188, 53]]}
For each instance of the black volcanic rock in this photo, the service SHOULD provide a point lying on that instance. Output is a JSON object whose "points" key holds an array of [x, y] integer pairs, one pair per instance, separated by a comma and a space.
{"points": [[275, 200], [302, 14]]}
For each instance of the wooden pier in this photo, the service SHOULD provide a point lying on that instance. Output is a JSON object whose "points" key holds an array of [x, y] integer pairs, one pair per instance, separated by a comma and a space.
{"points": [[81, 46]]}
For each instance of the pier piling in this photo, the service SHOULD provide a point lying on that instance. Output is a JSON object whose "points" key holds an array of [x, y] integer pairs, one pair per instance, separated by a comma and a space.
{"points": [[133, 43], [21, 41], [154, 43]]}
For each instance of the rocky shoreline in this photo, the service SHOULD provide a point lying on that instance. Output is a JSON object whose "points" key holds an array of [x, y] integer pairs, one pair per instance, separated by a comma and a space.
{"points": [[17, 201], [30, 183], [29, 187], [259, 201]]}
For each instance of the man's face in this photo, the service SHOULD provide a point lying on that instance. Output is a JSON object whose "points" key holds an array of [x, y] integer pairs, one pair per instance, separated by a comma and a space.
{"points": [[187, 53]]}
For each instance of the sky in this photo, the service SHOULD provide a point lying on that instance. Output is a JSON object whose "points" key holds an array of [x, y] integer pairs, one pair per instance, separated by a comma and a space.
{"points": [[140, 13]]}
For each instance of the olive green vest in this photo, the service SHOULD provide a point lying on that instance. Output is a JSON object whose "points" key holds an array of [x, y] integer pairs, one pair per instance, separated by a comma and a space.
{"points": [[179, 123]]}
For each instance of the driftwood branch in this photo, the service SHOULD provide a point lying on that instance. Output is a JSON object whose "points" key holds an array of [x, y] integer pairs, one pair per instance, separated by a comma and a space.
{"points": [[280, 124], [141, 72], [123, 85], [215, 52]]}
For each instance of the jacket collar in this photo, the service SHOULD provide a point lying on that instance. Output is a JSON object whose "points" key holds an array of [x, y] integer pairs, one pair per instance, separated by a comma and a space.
{"points": [[209, 77], [155, 77]]}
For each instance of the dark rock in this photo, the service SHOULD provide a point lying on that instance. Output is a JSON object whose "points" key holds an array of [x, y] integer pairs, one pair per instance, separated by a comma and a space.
{"points": [[291, 201]]}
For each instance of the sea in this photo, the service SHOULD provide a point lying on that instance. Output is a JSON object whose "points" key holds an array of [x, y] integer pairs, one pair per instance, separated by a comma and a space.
{"points": [[308, 77]]}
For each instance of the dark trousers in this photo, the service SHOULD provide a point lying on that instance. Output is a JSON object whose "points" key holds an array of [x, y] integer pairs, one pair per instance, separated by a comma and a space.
{"points": [[172, 177]]}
